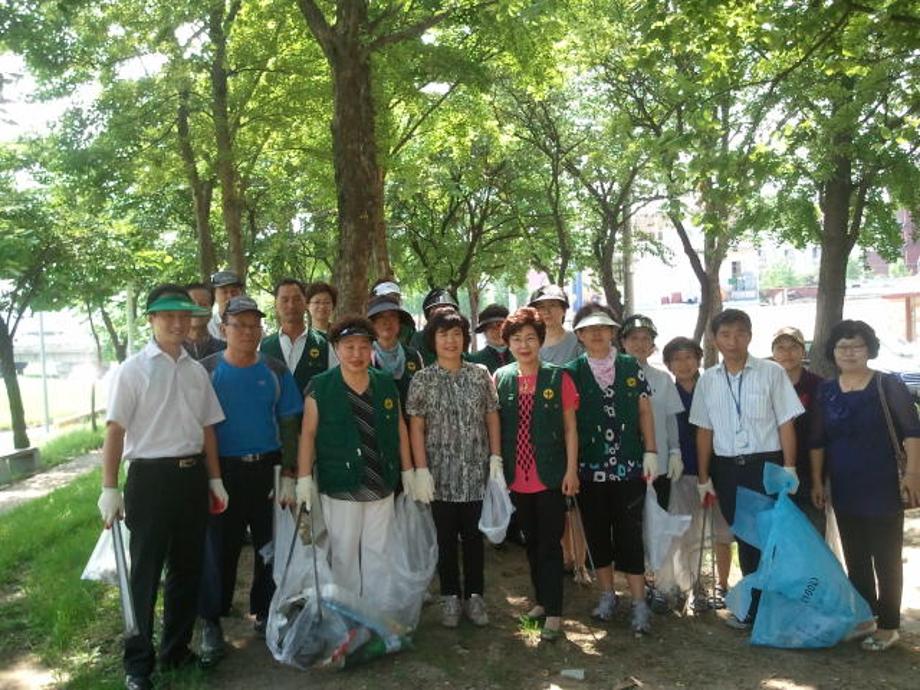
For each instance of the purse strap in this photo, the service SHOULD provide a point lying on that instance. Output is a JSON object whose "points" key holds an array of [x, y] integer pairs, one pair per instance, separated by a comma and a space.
{"points": [[899, 453]]}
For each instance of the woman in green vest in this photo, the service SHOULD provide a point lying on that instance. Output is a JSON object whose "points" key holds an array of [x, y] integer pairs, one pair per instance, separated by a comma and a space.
{"points": [[537, 404], [354, 437], [616, 439], [390, 355], [494, 353]]}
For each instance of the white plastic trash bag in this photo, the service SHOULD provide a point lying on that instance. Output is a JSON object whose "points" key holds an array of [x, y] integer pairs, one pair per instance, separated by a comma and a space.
{"points": [[659, 530], [101, 564], [496, 511]]}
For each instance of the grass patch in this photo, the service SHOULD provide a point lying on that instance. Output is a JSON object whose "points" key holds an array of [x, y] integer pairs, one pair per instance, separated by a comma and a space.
{"points": [[73, 626], [67, 397], [71, 444]]}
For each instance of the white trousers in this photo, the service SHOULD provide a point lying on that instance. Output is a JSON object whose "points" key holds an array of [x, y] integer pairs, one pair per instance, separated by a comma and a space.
{"points": [[357, 539]]}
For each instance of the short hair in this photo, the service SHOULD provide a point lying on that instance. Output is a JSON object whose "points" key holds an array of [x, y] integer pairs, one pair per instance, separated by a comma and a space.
{"points": [[525, 316], [681, 344], [729, 317], [445, 319], [201, 286], [166, 289], [291, 281], [349, 321], [847, 329], [592, 308], [319, 287]]}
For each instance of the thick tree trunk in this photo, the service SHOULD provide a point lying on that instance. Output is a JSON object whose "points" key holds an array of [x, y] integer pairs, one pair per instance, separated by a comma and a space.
{"points": [[837, 242], [608, 276], [13, 394], [357, 176], [231, 201], [202, 191], [120, 346], [710, 305]]}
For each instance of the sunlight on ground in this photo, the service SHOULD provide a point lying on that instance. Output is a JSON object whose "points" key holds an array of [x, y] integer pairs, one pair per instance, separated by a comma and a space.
{"points": [[26, 674], [785, 684]]}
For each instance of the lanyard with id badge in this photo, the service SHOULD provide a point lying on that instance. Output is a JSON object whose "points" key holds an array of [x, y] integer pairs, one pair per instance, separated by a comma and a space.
{"points": [[741, 435]]}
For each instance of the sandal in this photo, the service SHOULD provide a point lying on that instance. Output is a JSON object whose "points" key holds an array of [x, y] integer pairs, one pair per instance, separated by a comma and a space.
{"points": [[862, 630], [875, 644], [551, 633]]}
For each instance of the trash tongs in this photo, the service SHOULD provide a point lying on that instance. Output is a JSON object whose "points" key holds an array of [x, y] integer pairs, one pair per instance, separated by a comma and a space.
{"points": [[124, 583], [287, 564]]}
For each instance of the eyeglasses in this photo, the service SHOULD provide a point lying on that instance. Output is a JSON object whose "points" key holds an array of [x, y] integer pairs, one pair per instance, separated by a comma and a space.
{"points": [[850, 349], [244, 327], [321, 303]]}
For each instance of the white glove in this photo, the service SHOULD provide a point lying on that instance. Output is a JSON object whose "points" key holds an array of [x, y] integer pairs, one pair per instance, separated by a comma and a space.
{"points": [[675, 465], [408, 483], [286, 492], [303, 491], [650, 465], [111, 505], [497, 468], [424, 485], [706, 492], [792, 472], [219, 498]]}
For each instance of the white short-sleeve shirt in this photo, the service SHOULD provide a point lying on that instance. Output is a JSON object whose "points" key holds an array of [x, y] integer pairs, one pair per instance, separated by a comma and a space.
{"points": [[766, 399], [163, 404], [665, 402]]}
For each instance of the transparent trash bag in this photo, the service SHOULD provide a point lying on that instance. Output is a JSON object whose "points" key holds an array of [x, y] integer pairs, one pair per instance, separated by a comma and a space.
{"points": [[496, 511], [806, 599], [660, 529], [101, 564], [680, 570]]}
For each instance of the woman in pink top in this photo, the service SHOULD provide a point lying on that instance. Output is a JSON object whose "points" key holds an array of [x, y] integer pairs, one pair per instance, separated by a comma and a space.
{"points": [[537, 404]]}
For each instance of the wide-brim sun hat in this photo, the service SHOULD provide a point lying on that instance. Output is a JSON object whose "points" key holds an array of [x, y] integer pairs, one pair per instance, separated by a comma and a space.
{"points": [[382, 304]]}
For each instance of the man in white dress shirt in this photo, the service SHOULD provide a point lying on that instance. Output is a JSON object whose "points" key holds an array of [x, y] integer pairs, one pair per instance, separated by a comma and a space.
{"points": [[160, 418], [744, 408]]}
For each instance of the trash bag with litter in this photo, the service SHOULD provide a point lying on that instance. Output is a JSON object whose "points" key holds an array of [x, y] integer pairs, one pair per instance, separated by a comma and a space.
{"points": [[806, 599], [496, 511], [101, 564], [660, 529]]}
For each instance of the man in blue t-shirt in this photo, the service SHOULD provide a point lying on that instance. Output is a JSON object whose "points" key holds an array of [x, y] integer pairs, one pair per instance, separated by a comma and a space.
{"points": [[262, 407]]}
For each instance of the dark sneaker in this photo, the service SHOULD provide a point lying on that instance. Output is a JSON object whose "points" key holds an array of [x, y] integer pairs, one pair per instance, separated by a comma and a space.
{"points": [[717, 600], [656, 600], [737, 624], [259, 626], [213, 647]]}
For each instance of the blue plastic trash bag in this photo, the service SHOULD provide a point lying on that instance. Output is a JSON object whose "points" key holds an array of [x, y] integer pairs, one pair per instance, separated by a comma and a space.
{"points": [[806, 599]]}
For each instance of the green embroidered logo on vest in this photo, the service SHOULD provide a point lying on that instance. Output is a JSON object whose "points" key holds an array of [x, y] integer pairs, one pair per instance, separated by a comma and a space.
{"points": [[314, 352], [388, 403], [631, 382], [548, 393], [411, 366]]}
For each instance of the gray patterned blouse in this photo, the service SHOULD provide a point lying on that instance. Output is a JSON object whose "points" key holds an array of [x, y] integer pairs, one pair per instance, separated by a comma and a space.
{"points": [[454, 406]]}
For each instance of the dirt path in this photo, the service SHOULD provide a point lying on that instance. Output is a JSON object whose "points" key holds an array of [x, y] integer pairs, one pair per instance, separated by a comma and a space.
{"points": [[690, 652], [44, 483]]}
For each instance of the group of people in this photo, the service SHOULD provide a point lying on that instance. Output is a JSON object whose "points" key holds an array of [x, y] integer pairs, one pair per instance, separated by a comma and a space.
{"points": [[356, 410]]}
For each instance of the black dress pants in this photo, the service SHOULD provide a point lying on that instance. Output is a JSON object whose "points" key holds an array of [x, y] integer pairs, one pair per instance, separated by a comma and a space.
{"points": [[453, 521], [542, 518], [166, 506]]}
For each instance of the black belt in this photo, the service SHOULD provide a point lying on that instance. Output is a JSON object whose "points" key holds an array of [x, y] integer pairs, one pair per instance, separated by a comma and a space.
{"points": [[182, 462], [254, 457], [751, 458]]}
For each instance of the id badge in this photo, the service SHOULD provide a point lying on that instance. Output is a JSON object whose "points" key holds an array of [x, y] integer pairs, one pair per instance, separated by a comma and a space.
{"points": [[741, 438]]}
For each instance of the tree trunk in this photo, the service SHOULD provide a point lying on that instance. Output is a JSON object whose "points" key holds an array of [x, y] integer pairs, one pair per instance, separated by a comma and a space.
{"points": [[472, 288], [202, 191], [608, 277], [231, 202], [357, 176], [710, 305], [382, 267], [120, 346], [836, 244], [13, 394], [92, 329]]}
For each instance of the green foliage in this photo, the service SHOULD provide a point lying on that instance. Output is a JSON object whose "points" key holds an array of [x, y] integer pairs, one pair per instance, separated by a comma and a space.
{"points": [[781, 275], [898, 269], [71, 444]]}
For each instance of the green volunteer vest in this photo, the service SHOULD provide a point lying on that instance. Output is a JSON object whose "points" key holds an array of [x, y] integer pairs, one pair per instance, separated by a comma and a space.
{"points": [[591, 418], [339, 463], [313, 361], [547, 432], [417, 343], [413, 364], [488, 356]]}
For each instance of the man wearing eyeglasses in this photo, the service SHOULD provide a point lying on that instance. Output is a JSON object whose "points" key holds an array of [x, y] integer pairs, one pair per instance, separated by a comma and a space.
{"points": [[262, 406], [226, 286]]}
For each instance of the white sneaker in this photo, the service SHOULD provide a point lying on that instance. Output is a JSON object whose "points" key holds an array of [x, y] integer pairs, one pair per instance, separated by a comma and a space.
{"points": [[640, 623], [450, 611], [475, 610], [606, 605]]}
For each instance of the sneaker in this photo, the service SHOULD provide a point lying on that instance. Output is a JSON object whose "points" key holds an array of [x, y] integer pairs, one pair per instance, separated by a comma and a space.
{"points": [[213, 647], [699, 602], [640, 620], [260, 625], [606, 605], [137, 682], [736, 623], [717, 600], [656, 599], [475, 610], [450, 611]]}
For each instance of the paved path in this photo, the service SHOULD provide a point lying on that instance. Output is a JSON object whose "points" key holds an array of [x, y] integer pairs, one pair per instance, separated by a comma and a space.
{"points": [[44, 483]]}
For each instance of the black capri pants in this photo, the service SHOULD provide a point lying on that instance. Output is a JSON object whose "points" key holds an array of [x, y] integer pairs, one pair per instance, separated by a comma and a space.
{"points": [[612, 516]]}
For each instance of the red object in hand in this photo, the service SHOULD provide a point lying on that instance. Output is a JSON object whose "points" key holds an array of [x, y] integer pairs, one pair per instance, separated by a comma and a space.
{"points": [[709, 501], [216, 505]]}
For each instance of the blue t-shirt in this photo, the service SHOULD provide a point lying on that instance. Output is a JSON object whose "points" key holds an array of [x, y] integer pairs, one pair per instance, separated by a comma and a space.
{"points": [[253, 398], [859, 456], [687, 432]]}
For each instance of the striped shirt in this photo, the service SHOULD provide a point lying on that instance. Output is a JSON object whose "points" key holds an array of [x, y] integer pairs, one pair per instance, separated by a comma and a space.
{"points": [[745, 410], [373, 487]]}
